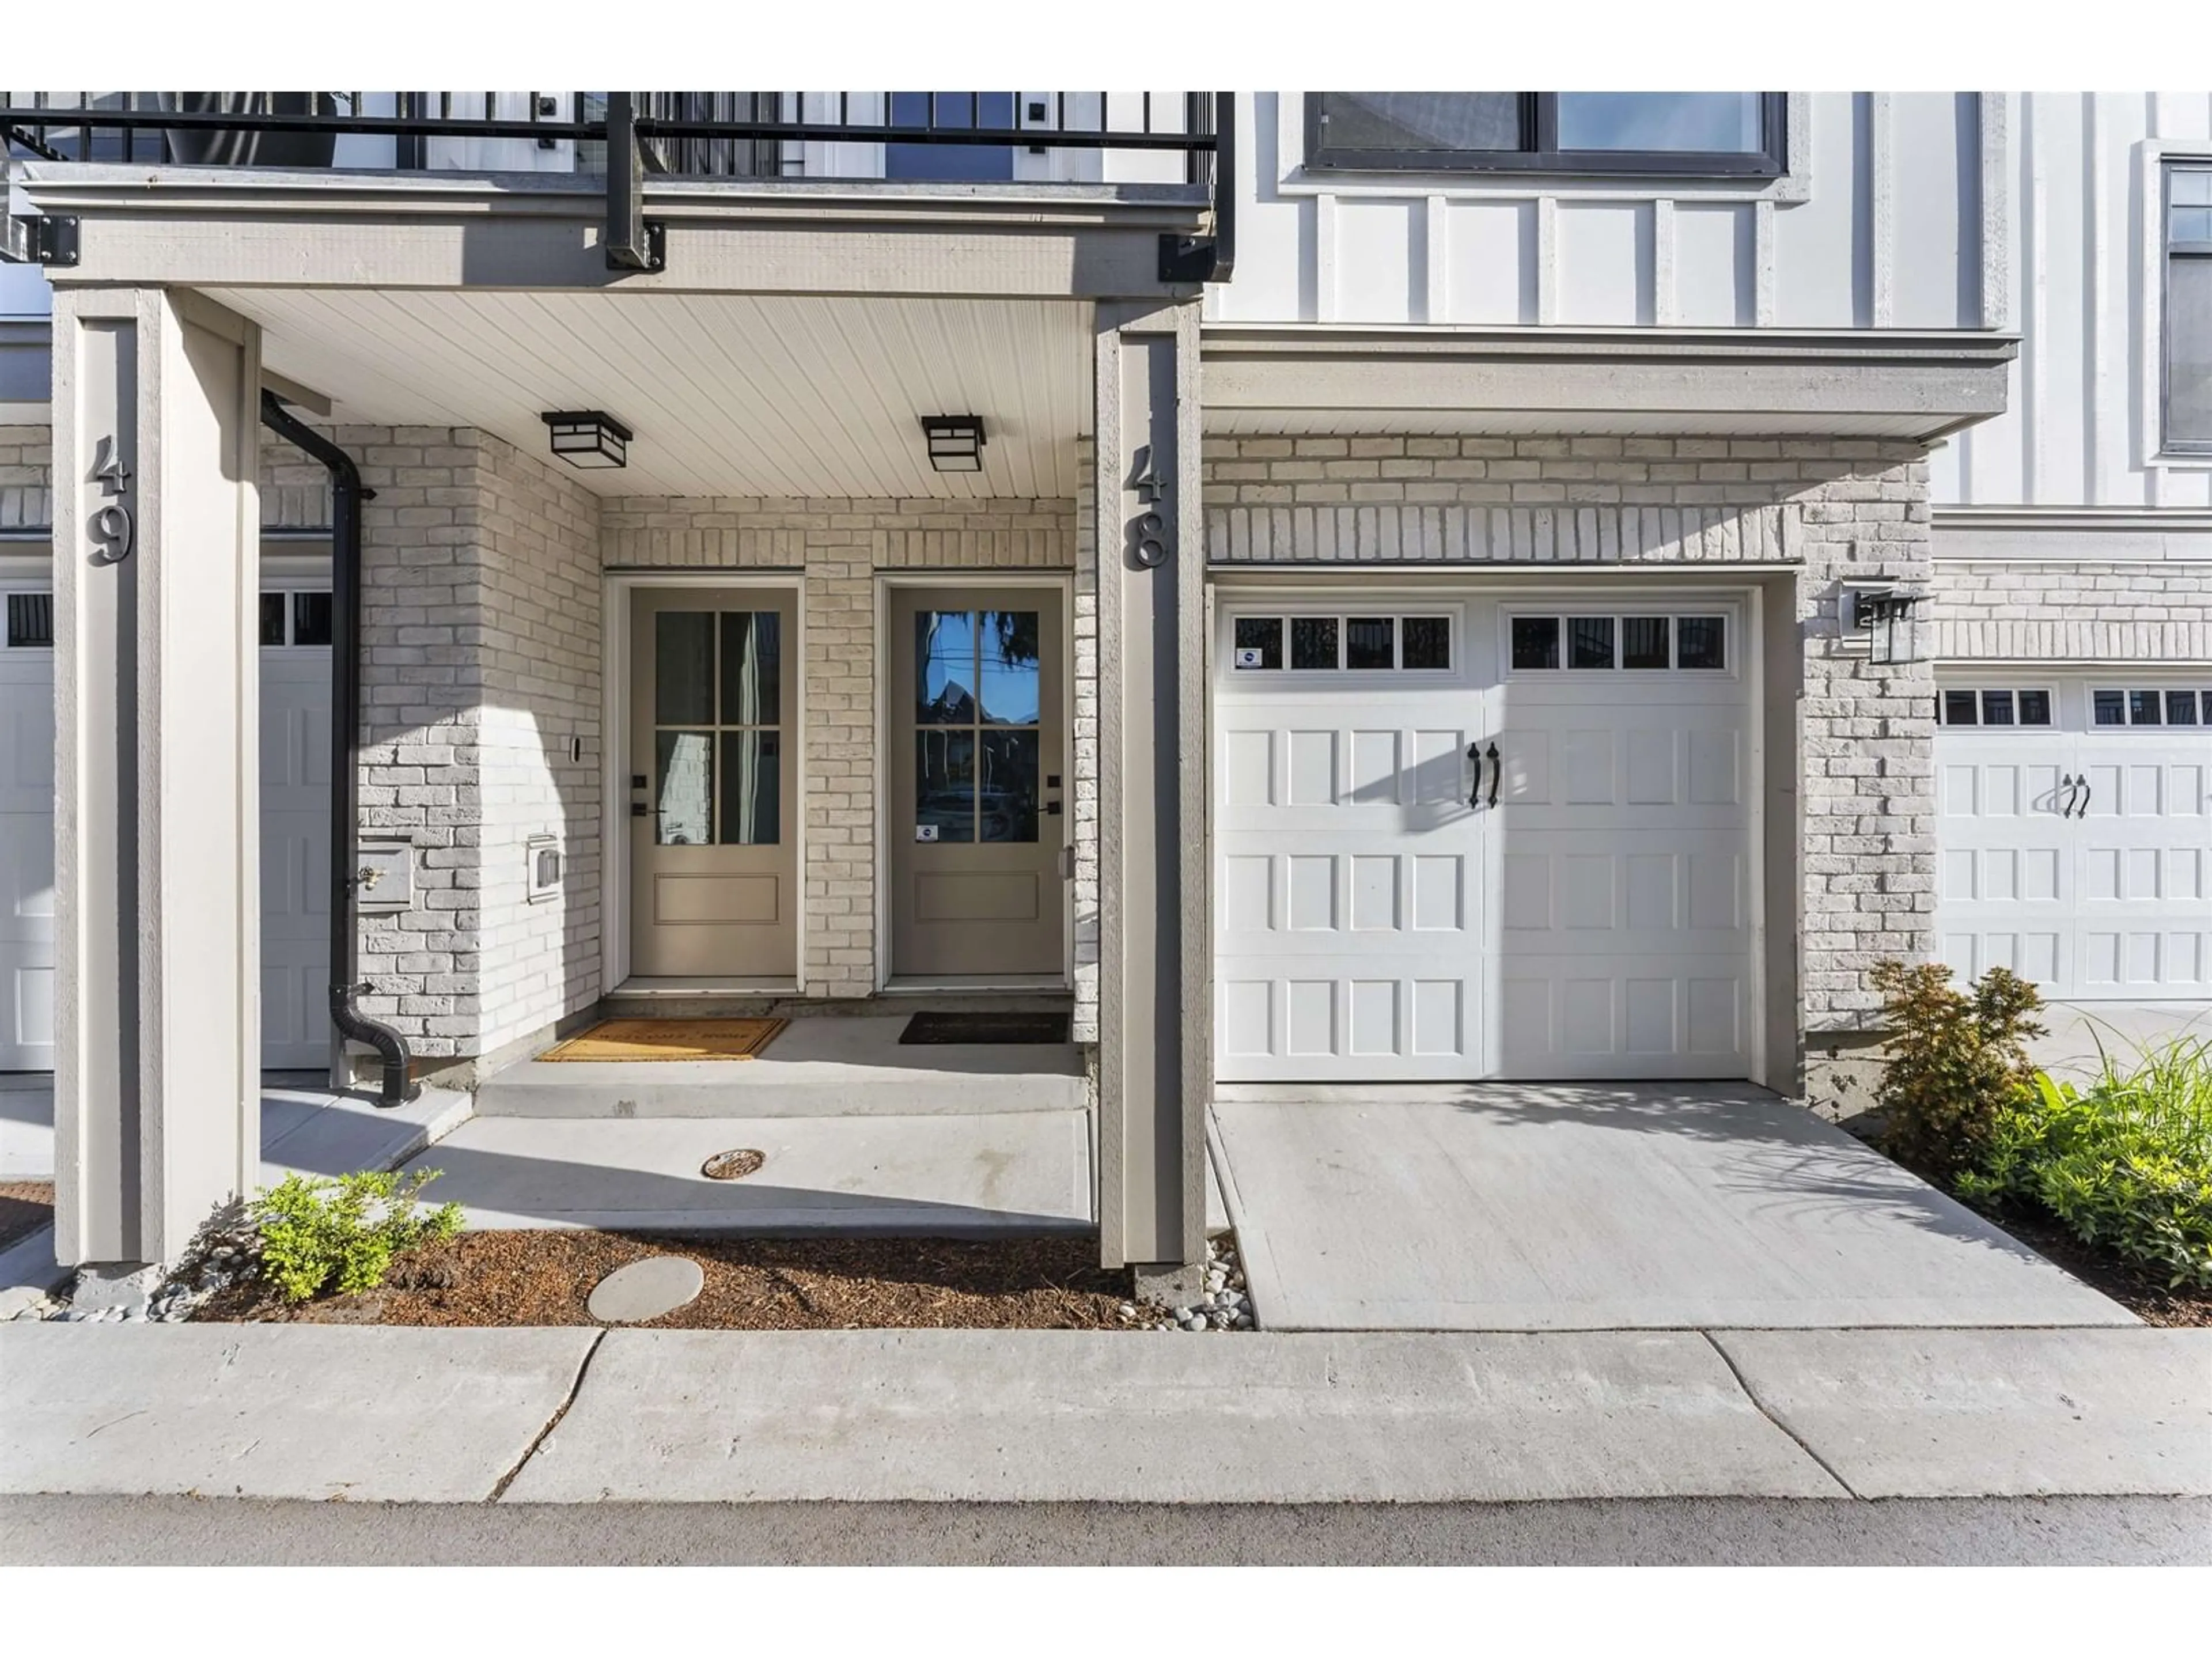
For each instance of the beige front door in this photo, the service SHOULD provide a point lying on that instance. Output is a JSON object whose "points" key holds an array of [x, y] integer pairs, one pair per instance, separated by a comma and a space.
{"points": [[714, 790], [976, 814]]}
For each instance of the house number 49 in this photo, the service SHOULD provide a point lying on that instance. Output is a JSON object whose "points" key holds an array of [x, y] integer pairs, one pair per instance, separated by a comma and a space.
{"points": [[114, 532]]}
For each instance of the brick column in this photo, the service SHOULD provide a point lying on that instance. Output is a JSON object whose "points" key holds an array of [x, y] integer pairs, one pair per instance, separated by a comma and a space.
{"points": [[840, 921], [1866, 738]]}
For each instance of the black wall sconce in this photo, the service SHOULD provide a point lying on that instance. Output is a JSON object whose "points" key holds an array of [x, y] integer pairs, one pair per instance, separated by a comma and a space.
{"points": [[955, 442], [588, 438], [1888, 619]]}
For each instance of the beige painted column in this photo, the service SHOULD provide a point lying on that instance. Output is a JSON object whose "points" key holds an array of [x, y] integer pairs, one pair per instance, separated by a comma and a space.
{"points": [[1156, 1050], [157, 1103]]}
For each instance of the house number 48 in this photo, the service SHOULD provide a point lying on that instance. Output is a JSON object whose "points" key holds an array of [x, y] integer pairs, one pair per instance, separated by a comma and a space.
{"points": [[114, 533]]}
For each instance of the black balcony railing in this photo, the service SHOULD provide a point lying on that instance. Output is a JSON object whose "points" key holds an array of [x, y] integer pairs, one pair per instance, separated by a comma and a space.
{"points": [[623, 137]]}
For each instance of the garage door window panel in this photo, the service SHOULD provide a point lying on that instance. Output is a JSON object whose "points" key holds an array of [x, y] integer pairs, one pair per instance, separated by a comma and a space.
{"points": [[1602, 643], [2000, 708], [1341, 644], [30, 621]]}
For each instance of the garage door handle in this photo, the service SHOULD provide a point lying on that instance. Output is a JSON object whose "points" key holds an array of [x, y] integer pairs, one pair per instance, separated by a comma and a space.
{"points": [[1475, 795], [2086, 792], [2066, 788], [1496, 771]]}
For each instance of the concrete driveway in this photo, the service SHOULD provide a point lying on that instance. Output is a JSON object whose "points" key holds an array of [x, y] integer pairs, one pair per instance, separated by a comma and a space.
{"points": [[2077, 1036], [1605, 1206]]}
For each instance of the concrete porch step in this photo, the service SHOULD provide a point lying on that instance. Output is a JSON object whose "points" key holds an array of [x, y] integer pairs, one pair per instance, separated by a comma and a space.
{"points": [[850, 1066], [973, 1173]]}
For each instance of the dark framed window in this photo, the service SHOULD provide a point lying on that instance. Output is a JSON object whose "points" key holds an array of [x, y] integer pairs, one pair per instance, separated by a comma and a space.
{"points": [[1696, 643], [2148, 706], [31, 621], [295, 615], [1993, 706], [953, 111], [1725, 134], [2188, 345], [1368, 643]]}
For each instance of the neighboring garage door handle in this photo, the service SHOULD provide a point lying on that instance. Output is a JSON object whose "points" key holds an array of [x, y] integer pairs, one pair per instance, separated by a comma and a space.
{"points": [[1496, 771]]}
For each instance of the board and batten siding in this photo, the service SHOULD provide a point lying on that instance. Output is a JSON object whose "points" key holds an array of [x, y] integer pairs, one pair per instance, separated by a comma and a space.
{"points": [[1878, 221], [2082, 285]]}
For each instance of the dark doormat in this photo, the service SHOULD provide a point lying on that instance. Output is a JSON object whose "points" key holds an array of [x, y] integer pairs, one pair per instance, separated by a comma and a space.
{"points": [[986, 1028]]}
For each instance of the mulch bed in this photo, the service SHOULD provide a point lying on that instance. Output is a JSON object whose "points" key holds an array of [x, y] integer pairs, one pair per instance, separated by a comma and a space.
{"points": [[25, 1206], [545, 1276], [2140, 1292]]}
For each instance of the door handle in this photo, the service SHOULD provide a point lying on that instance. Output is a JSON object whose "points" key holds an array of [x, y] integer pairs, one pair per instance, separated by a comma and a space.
{"points": [[2088, 794], [2066, 786], [1497, 772], [1474, 753]]}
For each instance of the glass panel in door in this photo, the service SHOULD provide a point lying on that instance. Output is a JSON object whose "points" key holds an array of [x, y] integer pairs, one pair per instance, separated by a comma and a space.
{"points": [[714, 878]]}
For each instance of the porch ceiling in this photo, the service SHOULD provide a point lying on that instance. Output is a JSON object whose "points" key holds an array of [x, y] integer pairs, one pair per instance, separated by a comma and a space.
{"points": [[728, 394]]}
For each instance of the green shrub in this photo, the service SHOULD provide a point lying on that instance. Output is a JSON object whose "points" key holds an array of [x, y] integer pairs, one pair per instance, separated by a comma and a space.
{"points": [[2124, 1163], [1956, 1060], [315, 1230]]}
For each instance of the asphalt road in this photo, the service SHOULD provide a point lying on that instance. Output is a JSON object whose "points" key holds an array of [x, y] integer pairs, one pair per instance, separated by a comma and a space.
{"points": [[183, 1531]]}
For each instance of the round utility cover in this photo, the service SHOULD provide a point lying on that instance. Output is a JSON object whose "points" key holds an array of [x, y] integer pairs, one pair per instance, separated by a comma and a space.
{"points": [[733, 1165]]}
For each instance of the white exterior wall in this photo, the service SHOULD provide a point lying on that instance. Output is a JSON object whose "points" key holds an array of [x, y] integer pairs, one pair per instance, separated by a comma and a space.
{"points": [[2081, 283], [1878, 222], [480, 644]]}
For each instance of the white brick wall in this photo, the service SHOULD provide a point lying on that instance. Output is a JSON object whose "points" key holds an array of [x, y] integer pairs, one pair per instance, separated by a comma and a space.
{"points": [[2159, 611], [836, 547], [1849, 507], [539, 599], [481, 660], [27, 459], [1084, 794]]}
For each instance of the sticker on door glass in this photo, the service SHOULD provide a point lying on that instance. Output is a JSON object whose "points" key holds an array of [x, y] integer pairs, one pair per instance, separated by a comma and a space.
{"points": [[1248, 656], [925, 832]]}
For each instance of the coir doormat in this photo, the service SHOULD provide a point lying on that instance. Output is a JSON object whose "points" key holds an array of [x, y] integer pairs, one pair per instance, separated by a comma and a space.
{"points": [[669, 1039], [986, 1028]]}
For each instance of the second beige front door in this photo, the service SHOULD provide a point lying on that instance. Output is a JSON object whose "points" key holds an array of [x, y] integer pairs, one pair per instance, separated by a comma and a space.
{"points": [[976, 815], [713, 784]]}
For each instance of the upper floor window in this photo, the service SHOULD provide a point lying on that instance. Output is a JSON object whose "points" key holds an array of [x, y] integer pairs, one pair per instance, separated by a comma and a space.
{"points": [[2188, 310], [1731, 133], [936, 162]]}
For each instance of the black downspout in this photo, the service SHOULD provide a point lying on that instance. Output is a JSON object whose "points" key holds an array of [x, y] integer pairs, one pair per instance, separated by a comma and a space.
{"points": [[346, 497]]}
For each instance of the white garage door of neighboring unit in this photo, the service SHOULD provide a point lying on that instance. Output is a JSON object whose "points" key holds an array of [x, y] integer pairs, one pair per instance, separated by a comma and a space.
{"points": [[1572, 900], [2074, 823], [295, 748]]}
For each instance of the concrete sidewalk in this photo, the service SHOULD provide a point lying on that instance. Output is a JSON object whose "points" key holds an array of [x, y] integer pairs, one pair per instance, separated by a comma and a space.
{"points": [[581, 1416]]}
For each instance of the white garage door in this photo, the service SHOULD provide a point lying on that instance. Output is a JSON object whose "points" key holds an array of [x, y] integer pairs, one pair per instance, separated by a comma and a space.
{"points": [[2075, 822], [295, 855], [1571, 901]]}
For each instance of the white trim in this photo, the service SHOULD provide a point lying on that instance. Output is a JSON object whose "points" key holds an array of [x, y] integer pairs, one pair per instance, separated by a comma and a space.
{"points": [[1880, 160], [616, 588], [1754, 616], [1063, 583]]}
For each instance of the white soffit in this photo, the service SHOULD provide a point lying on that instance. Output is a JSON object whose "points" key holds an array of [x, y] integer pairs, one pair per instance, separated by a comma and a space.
{"points": [[728, 394]]}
